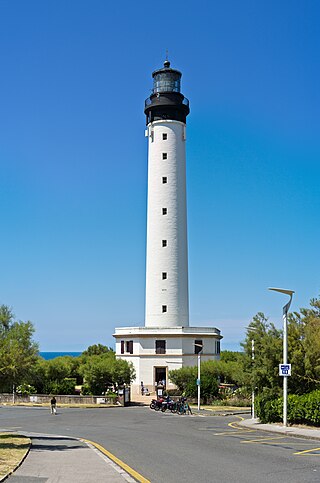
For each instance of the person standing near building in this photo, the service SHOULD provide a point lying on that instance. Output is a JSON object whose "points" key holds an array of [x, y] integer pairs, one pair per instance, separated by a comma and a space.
{"points": [[53, 403]]}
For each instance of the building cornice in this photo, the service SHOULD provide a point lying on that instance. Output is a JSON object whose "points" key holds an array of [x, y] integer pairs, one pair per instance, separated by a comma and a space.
{"points": [[167, 356], [123, 332]]}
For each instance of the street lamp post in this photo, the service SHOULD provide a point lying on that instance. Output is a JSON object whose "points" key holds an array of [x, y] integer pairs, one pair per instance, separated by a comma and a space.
{"points": [[252, 329], [252, 358], [199, 373], [285, 348], [199, 365]]}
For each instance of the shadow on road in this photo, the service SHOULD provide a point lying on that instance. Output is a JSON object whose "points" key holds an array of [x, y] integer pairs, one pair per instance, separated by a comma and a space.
{"points": [[47, 443]]}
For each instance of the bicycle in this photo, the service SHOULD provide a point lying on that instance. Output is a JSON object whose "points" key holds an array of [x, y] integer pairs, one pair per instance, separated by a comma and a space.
{"points": [[183, 407]]}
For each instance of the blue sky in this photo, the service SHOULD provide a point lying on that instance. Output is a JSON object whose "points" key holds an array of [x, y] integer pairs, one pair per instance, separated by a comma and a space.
{"points": [[73, 160]]}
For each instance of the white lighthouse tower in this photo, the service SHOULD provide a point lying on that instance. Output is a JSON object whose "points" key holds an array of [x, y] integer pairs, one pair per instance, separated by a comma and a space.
{"points": [[167, 303], [166, 342]]}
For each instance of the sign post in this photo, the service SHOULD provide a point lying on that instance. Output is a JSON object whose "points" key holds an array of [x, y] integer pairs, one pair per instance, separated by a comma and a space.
{"points": [[285, 364]]}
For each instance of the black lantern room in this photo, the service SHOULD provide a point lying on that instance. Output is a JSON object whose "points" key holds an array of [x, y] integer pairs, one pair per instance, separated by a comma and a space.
{"points": [[166, 100]]}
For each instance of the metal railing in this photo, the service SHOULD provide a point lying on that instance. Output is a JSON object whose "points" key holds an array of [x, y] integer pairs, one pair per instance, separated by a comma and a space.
{"points": [[148, 102]]}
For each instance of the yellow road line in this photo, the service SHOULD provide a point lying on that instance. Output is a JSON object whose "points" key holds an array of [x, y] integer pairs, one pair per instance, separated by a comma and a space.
{"points": [[306, 452], [309, 451], [262, 439], [231, 425], [123, 465], [235, 432]]}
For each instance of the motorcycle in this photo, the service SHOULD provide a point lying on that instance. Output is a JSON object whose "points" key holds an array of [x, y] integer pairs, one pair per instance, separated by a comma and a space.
{"points": [[156, 404], [170, 405]]}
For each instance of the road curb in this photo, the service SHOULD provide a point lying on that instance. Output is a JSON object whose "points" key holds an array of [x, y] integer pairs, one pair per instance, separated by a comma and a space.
{"points": [[133, 473]]}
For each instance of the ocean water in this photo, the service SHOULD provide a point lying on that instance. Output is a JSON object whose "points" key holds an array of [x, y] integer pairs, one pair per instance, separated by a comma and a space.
{"points": [[52, 355]]}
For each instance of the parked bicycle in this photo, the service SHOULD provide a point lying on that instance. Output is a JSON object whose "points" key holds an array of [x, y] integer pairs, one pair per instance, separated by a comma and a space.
{"points": [[183, 406]]}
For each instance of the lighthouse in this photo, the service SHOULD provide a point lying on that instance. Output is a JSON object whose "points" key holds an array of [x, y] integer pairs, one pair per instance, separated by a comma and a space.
{"points": [[166, 341], [167, 301]]}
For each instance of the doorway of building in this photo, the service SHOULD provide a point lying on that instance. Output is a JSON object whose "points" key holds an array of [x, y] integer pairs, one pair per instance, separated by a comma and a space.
{"points": [[160, 375]]}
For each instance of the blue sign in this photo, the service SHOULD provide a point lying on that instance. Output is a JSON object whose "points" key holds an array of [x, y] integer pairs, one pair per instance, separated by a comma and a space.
{"points": [[284, 369], [198, 382]]}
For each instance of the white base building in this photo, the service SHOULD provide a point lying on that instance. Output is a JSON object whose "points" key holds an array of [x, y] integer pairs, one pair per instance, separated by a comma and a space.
{"points": [[155, 351]]}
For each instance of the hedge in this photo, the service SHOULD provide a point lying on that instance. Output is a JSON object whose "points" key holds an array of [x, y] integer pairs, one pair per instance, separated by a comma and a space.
{"points": [[304, 409]]}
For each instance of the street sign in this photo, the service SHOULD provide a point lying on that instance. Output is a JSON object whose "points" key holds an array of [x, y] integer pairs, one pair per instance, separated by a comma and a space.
{"points": [[198, 382], [284, 369]]}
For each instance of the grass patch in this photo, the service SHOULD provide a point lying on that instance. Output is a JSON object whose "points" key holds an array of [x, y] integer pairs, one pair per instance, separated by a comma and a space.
{"points": [[221, 408], [13, 448]]}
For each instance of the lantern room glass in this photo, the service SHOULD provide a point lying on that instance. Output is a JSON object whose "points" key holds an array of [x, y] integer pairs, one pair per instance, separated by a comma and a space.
{"points": [[166, 82]]}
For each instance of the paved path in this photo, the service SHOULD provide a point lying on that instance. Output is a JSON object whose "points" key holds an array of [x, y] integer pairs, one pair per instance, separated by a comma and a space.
{"points": [[58, 459]]}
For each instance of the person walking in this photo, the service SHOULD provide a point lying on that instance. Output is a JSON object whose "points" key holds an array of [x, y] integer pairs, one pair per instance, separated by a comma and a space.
{"points": [[53, 403]]}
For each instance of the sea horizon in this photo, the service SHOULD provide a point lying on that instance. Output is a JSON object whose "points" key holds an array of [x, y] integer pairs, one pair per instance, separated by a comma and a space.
{"points": [[48, 355]]}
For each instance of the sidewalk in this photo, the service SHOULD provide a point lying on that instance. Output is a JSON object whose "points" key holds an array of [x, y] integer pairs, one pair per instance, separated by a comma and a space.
{"points": [[59, 459], [303, 432]]}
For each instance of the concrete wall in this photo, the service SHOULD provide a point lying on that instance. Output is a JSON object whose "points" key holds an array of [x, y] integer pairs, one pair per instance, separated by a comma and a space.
{"points": [[62, 399]]}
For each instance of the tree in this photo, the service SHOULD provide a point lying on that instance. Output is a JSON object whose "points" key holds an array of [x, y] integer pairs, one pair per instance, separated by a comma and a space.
{"points": [[59, 375], [303, 352], [6, 318], [101, 371], [304, 348], [96, 350], [61, 367], [264, 369], [186, 380], [123, 372], [18, 351]]}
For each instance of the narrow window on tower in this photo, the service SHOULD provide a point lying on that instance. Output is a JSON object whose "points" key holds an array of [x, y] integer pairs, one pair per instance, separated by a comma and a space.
{"points": [[164, 211], [164, 136], [164, 179], [160, 346], [184, 133], [164, 243], [218, 347], [164, 275], [164, 156], [122, 347], [164, 309]]}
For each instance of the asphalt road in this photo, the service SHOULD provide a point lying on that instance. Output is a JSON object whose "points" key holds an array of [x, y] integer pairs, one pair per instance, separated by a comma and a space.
{"points": [[168, 447]]}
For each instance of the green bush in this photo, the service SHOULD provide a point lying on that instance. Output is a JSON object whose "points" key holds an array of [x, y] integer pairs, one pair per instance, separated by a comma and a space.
{"points": [[295, 408], [304, 409], [312, 407], [66, 386], [85, 390], [26, 389], [267, 409], [186, 381]]}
